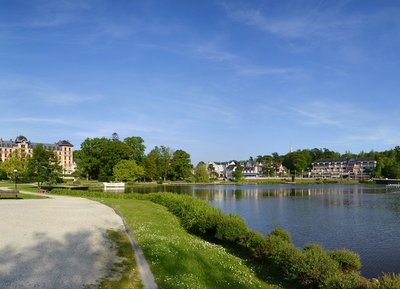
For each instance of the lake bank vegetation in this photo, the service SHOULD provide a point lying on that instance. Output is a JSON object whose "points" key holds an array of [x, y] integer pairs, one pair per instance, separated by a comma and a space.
{"points": [[274, 256]]}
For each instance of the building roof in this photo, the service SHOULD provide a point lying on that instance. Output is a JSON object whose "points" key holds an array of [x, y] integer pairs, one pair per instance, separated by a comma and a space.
{"points": [[64, 143]]}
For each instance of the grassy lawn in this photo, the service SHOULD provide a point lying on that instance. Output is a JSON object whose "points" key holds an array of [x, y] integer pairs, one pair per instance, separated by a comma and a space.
{"points": [[179, 259]]}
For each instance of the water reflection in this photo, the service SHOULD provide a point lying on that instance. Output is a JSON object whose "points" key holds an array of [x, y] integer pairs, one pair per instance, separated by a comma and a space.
{"points": [[358, 217]]}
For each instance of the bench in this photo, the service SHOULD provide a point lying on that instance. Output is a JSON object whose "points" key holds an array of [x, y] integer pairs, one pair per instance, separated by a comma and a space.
{"points": [[9, 193]]}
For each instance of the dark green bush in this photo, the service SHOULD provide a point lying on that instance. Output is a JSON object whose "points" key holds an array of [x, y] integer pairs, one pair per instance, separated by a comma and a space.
{"points": [[231, 228], [255, 242], [283, 256], [316, 268], [348, 260]]}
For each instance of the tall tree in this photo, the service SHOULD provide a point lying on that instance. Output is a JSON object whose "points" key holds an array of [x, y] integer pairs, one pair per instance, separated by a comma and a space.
{"points": [[138, 148], [150, 166], [43, 166], [201, 173], [98, 156], [181, 165], [164, 161]]}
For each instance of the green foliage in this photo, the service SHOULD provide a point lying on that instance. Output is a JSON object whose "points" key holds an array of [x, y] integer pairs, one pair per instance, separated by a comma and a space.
{"points": [[348, 260], [98, 156], [43, 166], [298, 161], [255, 242], [179, 259], [238, 173], [17, 160], [231, 228], [312, 267], [283, 256], [3, 175], [137, 145], [201, 173], [316, 267], [181, 165], [150, 166], [281, 233], [127, 170], [389, 281]]}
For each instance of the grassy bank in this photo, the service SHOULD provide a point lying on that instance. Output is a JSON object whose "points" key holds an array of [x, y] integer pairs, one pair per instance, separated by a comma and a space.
{"points": [[179, 259], [161, 222]]}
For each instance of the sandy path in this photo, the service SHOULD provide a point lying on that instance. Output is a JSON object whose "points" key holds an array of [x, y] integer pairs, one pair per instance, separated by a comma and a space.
{"points": [[55, 243]]}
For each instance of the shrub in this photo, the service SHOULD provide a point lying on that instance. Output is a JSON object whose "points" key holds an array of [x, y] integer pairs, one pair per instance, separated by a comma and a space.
{"points": [[255, 242], [389, 281], [316, 268], [281, 233], [346, 281], [348, 260], [283, 256], [231, 228]]}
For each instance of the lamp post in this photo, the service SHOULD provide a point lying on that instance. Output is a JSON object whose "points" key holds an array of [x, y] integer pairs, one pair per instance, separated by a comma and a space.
{"points": [[15, 178]]}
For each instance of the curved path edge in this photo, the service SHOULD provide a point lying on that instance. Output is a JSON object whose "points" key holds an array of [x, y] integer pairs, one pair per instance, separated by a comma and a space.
{"points": [[147, 276]]}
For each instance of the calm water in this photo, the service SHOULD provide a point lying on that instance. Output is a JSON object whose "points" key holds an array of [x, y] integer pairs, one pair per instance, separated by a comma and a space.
{"points": [[361, 218]]}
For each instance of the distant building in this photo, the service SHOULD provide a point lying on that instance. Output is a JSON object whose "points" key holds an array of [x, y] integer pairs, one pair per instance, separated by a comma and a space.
{"points": [[62, 148], [351, 168]]}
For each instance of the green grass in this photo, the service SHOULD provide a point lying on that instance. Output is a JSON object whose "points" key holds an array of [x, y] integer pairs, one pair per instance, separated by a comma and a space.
{"points": [[125, 275], [179, 259]]}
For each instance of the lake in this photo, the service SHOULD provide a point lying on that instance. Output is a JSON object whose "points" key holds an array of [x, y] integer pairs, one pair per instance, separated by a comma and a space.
{"points": [[362, 218]]}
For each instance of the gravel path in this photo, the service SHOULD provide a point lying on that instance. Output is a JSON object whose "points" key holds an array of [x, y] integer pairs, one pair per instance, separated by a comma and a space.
{"points": [[55, 243]]}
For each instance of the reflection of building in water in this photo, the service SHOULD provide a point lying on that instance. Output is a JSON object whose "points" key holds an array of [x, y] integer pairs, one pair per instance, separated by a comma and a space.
{"points": [[351, 168]]}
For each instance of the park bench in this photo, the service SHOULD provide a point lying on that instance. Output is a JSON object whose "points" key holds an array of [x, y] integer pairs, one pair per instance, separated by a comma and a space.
{"points": [[9, 193]]}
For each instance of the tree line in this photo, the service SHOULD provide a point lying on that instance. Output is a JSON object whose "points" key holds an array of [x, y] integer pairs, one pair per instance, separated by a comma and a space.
{"points": [[112, 159], [109, 159]]}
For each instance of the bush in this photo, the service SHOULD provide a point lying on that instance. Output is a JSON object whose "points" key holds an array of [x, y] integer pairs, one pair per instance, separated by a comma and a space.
{"points": [[316, 268], [231, 228], [348, 261], [346, 281], [283, 256], [389, 281], [281, 233], [255, 242]]}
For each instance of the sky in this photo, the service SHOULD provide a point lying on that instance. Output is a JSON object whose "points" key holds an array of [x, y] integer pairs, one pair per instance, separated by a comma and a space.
{"points": [[221, 80]]}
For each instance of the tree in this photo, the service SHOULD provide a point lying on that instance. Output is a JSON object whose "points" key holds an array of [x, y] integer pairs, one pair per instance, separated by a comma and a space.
{"points": [[43, 166], [181, 165], [201, 173], [212, 173], [164, 161], [98, 156], [238, 173], [127, 170], [16, 161], [297, 161], [138, 148], [150, 166]]}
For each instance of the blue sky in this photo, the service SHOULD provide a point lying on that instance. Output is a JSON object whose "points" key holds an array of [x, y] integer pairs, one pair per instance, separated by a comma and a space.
{"points": [[219, 79]]}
